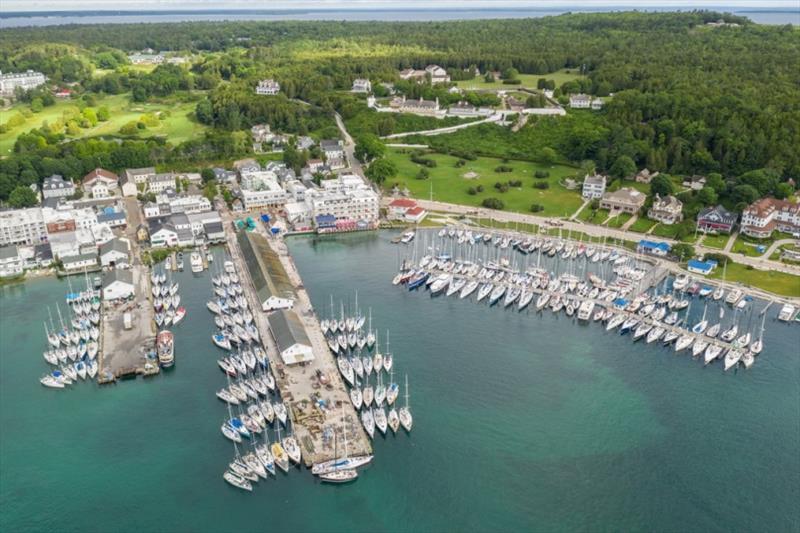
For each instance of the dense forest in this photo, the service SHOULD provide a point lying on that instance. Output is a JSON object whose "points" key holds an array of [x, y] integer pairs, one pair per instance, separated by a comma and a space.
{"points": [[687, 98]]}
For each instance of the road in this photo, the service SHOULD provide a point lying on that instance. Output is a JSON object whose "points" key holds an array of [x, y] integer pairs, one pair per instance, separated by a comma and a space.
{"points": [[775, 245], [349, 146], [438, 131], [760, 263]]}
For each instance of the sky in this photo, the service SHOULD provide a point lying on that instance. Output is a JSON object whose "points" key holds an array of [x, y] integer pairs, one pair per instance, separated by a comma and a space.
{"points": [[124, 5]]}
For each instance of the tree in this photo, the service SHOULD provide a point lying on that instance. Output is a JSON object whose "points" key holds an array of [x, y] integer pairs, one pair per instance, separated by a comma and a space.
{"points": [[493, 203], [707, 196], [103, 114], [510, 73], [682, 251], [22, 196], [548, 156], [381, 169], [746, 194], [536, 208], [210, 191], [623, 167], [716, 182], [489, 77], [423, 174], [368, 147], [207, 174], [36, 105], [661, 185], [783, 190]]}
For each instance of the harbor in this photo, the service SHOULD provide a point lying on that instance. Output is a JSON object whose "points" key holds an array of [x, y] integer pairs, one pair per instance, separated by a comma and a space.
{"points": [[597, 283]]}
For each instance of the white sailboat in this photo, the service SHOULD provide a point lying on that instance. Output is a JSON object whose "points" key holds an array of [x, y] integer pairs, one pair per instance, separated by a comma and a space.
{"points": [[406, 420]]}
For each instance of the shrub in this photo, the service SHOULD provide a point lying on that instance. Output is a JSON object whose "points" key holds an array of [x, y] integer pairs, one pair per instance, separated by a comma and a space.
{"points": [[503, 168], [536, 208], [472, 191], [492, 203], [418, 159], [514, 183], [423, 174], [541, 185], [541, 174], [479, 188], [512, 82], [460, 163], [501, 187]]}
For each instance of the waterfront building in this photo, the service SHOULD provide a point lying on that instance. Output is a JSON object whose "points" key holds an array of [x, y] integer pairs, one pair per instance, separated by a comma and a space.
{"points": [[716, 219], [398, 208], [11, 81], [270, 279], [214, 232], [118, 285], [198, 221], [660, 249], [298, 214], [10, 261], [100, 183], [268, 87], [704, 268], [625, 199], [594, 186], [361, 85], [115, 253], [22, 226], [766, 215], [667, 210], [290, 336], [415, 215], [74, 263], [57, 187], [162, 234]]}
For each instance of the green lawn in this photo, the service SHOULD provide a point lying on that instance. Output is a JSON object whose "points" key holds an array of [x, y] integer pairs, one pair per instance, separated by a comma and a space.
{"points": [[776, 282], [740, 246], [528, 81], [449, 184], [594, 217], [716, 241], [642, 225], [619, 220], [178, 127]]}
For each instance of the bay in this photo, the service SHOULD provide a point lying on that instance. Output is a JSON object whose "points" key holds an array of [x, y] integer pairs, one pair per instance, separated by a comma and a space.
{"points": [[521, 421]]}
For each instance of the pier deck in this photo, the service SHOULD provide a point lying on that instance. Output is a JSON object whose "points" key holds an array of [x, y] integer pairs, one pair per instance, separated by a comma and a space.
{"points": [[126, 348], [313, 407]]}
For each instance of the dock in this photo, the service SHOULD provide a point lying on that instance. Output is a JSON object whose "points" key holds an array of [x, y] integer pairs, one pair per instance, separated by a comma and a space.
{"points": [[314, 392]]}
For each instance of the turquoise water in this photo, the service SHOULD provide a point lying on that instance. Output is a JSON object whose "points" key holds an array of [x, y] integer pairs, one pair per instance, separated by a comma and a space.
{"points": [[521, 422]]}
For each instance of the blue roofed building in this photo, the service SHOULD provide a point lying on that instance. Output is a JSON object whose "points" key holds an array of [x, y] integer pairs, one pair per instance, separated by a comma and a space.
{"points": [[660, 249], [325, 221], [113, 219], [701, 267]]}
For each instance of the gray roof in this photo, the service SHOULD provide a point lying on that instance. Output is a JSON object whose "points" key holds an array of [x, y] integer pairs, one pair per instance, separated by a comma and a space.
{"points": [[329, 145], [7, 252], [43, 251], [157, 224], [165, 176], [114, 244], [179, 219], [56, 182], [130, 172], [287, 329], [213, 227], [78, 258], [117, 275]]}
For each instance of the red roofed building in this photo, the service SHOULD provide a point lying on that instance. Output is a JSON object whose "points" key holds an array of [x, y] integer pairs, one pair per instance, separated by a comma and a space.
{"points": [[764, 216], [100, 183], [415, 215], [398, 208]]}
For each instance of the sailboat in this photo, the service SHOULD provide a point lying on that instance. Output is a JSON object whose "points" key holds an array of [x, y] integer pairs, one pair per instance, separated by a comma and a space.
{"points": [[278, 453], [406, 419], [758, 345], [338, 471], [701, 326]]}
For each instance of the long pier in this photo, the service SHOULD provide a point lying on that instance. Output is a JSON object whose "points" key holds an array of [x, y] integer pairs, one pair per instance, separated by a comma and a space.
{"points": [[314, 391]]}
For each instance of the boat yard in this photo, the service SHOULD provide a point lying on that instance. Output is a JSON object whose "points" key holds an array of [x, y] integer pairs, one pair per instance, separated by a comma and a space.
{"points": [[307, 375]]}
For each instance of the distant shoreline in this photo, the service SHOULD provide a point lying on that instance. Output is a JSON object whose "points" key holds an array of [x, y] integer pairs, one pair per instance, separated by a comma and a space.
{"points": [[12, 19]]}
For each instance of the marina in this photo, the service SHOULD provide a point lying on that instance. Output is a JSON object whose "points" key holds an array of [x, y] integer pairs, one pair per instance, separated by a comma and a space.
{"points": [[590, 283]]}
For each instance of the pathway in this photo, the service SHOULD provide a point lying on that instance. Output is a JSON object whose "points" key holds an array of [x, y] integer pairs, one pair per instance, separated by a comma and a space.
{"points": [[731, 240], [630, 222], [578, 212], [438, 131], [775, 245], [349, 146]]}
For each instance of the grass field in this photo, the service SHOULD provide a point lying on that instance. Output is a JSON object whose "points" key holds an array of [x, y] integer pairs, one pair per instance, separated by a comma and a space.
{"points": [[595, 217], [528, 81], [642, 225], [716, 241], [450, 185], [741, 246], [178, 127], [619, 220], [777, 282]]}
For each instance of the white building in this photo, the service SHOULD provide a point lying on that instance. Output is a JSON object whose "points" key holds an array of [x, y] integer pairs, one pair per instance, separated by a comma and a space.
{"points": [[290, 337], [163, 235], [268, 87], [75, 263], [594, 186], [159, 182], [333, 149], [256, 180], [115, 253], [298, 213], [358, 204], [57, 187], [140, 176], [100, 183], [22, 226], [23, 80], [189, 203], [361, 85], [198, 221], [766, 215], [269, 195], [585, 101], [10, 262], [117, 285], [127, 186]]}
